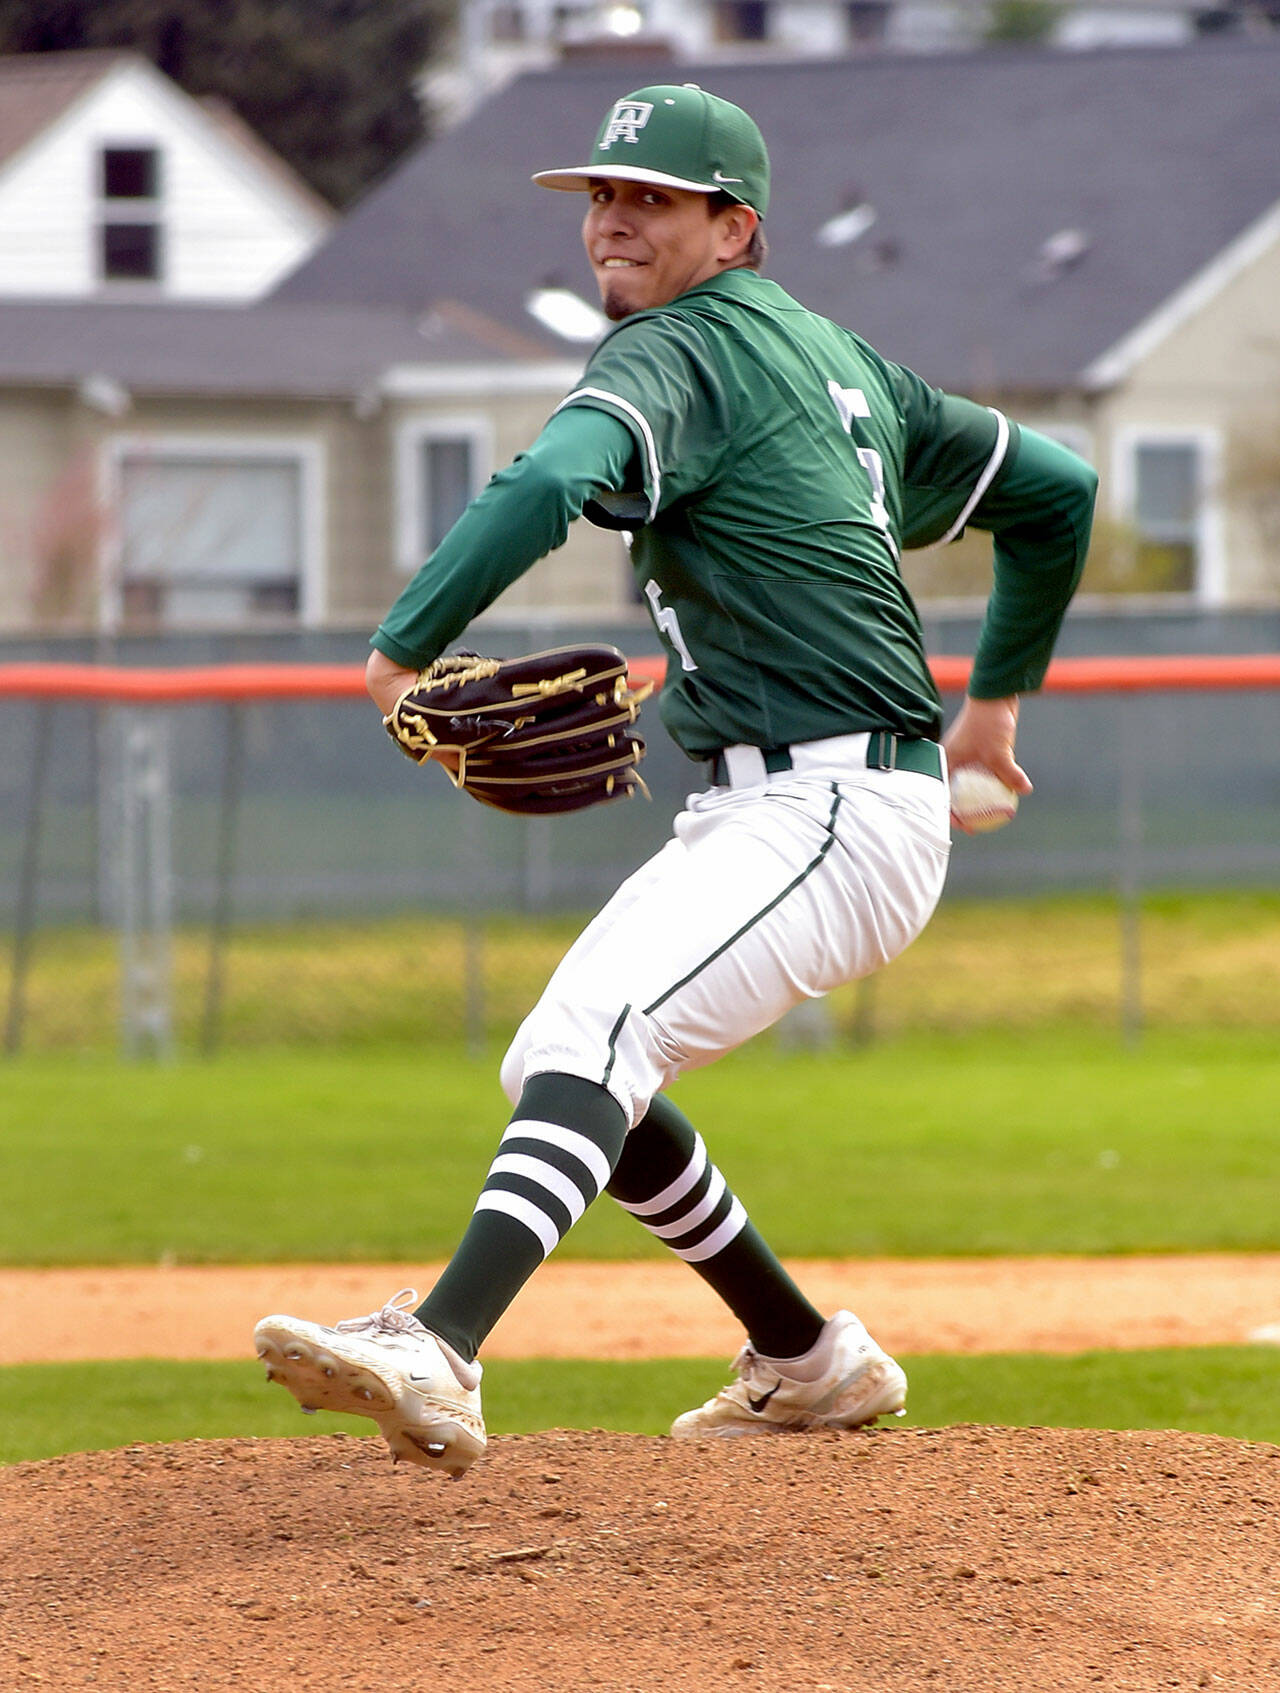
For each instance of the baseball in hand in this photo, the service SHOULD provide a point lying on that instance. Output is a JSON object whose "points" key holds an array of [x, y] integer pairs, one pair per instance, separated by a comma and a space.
{"points": [[980, 801]]}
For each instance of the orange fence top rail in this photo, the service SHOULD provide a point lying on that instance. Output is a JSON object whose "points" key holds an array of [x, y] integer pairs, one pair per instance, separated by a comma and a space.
{"points": [[239, 683]]}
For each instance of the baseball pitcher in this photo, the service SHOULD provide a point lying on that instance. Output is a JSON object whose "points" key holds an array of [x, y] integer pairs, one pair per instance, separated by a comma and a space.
{"points": [[770, 468]]}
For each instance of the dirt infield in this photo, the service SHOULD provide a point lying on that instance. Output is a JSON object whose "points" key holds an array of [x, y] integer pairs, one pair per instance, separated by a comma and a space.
{"points": [[895, 1560], [969, 1560], [660, 1309]]}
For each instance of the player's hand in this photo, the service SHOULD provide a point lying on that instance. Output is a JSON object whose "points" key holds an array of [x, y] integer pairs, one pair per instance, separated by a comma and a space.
{"points": [[983, 733], [386, 680]]}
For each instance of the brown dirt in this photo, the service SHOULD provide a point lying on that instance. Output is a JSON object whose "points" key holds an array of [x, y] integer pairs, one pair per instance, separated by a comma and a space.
{"points": [[971, 1560], [572, 1310]]}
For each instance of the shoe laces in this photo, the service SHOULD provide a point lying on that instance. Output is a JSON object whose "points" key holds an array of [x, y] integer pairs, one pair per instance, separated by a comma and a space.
{"points": [[395, 1317], [750, 1367]]}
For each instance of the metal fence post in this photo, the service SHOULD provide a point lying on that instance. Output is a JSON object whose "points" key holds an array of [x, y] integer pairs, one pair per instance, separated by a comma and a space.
{"points": [[475, 1007], [28, 876], [224, 875], [144, 881], [1130, 869]]}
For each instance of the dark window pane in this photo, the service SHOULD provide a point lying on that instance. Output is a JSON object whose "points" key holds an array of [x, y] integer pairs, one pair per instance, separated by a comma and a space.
{"points": [[130, 173], [1168, 488], [274, 596], [868, 21], [742, 20], [447, 486], [130, 252]]}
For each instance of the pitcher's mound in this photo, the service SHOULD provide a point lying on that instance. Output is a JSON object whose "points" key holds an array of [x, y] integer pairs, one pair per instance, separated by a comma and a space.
{"points": [[971, 1560]]}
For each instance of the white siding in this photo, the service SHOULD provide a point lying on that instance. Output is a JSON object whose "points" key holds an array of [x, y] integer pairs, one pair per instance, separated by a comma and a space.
{"points": [[229, 228]]}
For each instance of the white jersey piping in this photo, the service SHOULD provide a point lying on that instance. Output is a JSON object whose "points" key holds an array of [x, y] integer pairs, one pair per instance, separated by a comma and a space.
{"points": [[641, 422], [984, 481]]}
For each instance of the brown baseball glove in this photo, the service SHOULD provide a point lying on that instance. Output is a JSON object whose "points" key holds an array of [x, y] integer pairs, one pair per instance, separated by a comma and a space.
{"points": [[549, 732]]}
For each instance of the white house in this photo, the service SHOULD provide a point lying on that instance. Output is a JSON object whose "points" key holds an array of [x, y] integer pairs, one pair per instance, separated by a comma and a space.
{"points": [[115, 184], [497, 40]]}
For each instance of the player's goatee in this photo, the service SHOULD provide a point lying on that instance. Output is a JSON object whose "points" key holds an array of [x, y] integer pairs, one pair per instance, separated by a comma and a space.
{"points": [[614, 308]]}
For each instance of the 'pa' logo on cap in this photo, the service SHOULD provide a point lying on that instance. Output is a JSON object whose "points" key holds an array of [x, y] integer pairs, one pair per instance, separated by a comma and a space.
{"points": [[629, 118]]}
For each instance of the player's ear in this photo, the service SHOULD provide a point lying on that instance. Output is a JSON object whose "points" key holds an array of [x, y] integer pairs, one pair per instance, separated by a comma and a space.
{"points": [[737, 226]]}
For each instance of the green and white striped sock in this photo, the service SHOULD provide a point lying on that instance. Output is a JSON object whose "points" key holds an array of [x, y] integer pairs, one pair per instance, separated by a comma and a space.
{"points": [[665, 1179], [556, 1156]]}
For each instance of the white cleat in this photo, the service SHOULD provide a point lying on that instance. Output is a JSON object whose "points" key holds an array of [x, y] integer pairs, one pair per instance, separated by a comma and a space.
{"points": [[854, 1383], [423, 1396]]}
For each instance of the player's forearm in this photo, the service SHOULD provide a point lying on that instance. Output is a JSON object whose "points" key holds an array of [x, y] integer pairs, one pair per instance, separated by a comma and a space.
{"points": [[1040, 515], [522, 515]]}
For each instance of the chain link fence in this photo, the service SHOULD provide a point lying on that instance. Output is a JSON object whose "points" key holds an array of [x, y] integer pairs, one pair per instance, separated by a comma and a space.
{"points": [[187, 878]]}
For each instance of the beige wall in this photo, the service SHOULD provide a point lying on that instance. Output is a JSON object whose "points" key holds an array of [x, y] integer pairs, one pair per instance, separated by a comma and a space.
{"points": [[49, 520]]}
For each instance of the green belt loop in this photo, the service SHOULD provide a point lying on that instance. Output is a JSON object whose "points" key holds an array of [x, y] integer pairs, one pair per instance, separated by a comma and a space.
{"points": [[881, 749], [886, 751]]}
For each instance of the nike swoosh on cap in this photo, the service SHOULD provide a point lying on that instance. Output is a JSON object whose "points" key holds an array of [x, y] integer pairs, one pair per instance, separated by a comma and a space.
{"points": [[719, 176]]}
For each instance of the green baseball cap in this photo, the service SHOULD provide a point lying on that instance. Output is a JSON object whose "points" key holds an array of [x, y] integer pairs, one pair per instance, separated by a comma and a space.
{"points": [[677, 136]]}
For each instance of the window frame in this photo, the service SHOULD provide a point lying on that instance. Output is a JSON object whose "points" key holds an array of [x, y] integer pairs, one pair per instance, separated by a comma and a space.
{"points": [[309, 456], [118, 211], [411, 496], [1209, 584]]}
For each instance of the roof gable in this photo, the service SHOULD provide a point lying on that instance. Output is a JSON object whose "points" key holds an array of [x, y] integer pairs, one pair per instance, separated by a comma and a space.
{"points": [[41, 91], [1145, 163], [37, 88]]}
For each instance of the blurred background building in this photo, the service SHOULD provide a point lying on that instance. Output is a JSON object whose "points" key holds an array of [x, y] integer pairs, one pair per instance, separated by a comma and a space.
{"points": [[222, 407], [496, 40]]}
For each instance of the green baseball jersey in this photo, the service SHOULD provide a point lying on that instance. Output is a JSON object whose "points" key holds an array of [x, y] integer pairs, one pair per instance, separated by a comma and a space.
{"points": [[772, 466], [784, 467]]}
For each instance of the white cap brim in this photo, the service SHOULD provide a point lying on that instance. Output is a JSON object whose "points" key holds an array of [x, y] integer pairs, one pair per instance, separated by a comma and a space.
{"points": [[578, 178]]}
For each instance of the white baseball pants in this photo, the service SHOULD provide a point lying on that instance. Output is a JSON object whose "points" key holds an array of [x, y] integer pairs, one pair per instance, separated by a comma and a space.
{"points": [[773, 890]]}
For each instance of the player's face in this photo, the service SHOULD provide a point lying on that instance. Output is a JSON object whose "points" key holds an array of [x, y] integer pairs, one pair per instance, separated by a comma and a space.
{"points": [[647, 244]]}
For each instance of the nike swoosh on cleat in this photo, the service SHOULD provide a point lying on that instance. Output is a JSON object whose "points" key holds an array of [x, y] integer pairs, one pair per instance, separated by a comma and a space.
{"points": [[758, 1405]]}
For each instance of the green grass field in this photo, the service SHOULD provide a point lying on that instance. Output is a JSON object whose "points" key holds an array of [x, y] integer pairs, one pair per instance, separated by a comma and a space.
{"points": [[911, 1147]]}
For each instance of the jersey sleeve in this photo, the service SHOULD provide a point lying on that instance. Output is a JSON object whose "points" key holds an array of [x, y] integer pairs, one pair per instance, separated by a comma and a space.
{"points": [[1039, 511], [523, 514], [955, 449], [967, 465], [652, 374]]}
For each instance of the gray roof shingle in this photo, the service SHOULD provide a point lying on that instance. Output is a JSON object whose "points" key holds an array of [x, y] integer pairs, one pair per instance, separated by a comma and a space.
{"points": [[303, 350], [1159, 156]]}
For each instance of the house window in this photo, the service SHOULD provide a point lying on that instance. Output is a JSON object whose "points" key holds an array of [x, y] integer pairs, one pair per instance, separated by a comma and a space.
{"points": [[209, 538], [1167, 488], [130, 173], [443, 463], [130, 252], [867, 22], [129, 220], [447, 470], [742, 20], [507, 23]]}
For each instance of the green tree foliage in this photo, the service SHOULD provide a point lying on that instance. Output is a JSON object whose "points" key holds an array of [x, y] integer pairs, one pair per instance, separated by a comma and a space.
{"points": [[327, 83], [1021, 20]]}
